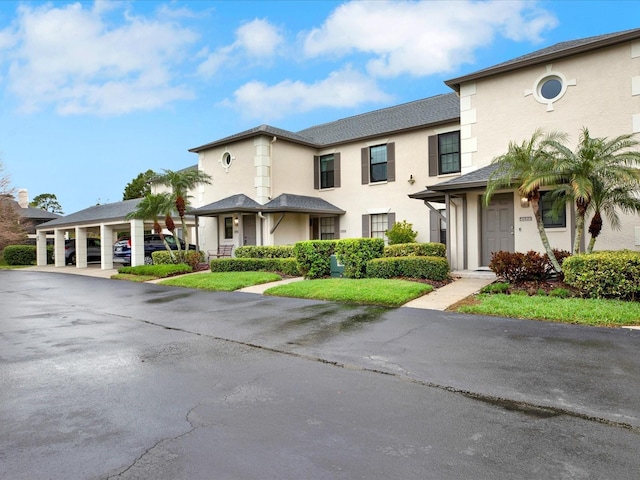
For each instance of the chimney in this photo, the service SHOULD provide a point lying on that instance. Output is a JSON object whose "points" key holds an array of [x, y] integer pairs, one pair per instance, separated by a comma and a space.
{"points": [[23, 198]]}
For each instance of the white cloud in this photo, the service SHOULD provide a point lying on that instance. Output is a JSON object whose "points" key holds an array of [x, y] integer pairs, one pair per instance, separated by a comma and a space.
{"points": [[259, 38], [345, 88], [422, 38], [256, 41], [69, 57]]}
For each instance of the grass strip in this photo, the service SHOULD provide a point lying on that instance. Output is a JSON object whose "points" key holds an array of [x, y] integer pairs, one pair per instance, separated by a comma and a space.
{"points": [[222, 281], [370, 291], [595, 312]]}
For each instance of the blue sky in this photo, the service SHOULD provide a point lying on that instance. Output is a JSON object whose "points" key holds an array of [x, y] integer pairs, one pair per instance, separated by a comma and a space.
{"points": [[94, 93]]}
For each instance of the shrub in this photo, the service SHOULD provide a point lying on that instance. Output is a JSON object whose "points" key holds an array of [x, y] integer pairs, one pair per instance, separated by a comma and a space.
{"points": [[286, 266], [518, 267], [496, 287], [429, 268], [605, 274], [189, 257], [401, 232], [560, 293], [19, 254], [161, 271], [314, 257], [270, 251], [417, 249], [354, 253]]}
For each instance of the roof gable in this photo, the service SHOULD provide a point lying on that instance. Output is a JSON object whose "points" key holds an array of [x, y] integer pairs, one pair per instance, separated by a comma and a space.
{"points": [[548, 54]]}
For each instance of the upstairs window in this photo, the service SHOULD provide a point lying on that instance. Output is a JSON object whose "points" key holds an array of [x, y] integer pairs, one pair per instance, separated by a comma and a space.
{"points": [[378, 163], [444, 153], [326, 171], [449, 153]]}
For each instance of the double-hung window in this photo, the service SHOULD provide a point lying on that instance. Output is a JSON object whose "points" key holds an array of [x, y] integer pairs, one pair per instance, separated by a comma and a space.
{"points": [[327, 171], [378, 163], [379, 225], [444, 153], [327, 228]]}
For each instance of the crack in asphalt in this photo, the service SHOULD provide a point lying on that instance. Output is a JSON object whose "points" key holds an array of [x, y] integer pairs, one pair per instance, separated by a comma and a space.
{"points": [[158, 443], [526, 408]]}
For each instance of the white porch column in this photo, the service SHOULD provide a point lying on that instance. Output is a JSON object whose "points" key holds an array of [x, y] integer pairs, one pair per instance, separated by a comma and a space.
{"points": [[81, 247], [41, 248], [137, 242], [58, 247], [106, 247]]}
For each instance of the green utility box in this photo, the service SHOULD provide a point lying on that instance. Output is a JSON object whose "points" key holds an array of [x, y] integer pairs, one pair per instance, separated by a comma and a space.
{"points": [[337, 269]]}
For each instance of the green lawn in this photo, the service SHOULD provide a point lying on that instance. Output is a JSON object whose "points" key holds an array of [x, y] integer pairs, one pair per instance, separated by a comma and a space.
{"points": [[222, 281], [371, 291], [596, 312]]}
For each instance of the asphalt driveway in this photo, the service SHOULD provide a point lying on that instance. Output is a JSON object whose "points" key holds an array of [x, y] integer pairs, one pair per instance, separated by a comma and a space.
{"points": [[106, 379]]}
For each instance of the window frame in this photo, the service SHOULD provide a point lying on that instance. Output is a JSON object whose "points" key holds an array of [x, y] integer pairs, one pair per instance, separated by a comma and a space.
{"points": [[378, 178], [324, 175], [546, 207], [441, 154], [228, 228]]}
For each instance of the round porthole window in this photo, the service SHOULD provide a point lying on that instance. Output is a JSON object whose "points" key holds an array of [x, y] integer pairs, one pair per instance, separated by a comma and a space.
{"points": [[551, 88], [226, 160]]}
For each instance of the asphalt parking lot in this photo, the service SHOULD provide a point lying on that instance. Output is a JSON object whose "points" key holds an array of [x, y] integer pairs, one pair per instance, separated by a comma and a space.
{"points": [[103, 379]]}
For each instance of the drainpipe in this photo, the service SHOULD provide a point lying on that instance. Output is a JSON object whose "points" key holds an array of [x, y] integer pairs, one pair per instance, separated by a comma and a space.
{"points": [[262, 219]]}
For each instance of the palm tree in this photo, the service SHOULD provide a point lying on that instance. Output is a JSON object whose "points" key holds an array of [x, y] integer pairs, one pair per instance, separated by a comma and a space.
{"points": [[612, 162], [607, 198], [181, 182], [150, 208], [527, 167]]}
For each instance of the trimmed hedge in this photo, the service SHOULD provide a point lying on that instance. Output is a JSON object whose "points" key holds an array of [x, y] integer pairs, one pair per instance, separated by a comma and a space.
{"points": [[314, 257], [190, 257], [425, 267], [161, 271], [286, 266], [605, 274], [20, 254], [271, 251], [417, 249], [354, 253]]}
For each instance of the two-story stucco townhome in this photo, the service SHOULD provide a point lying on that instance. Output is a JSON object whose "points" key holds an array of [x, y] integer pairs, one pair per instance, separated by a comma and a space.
{"points": [[354, 177], [426, 162]]}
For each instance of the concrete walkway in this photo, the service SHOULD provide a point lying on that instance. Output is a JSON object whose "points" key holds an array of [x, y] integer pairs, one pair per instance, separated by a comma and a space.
{"points": [[465, 283]]}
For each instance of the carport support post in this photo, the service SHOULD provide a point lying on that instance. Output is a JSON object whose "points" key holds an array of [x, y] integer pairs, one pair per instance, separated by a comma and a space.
{"points": [[137, 242], [58, 241], [81, 247], [106, 247], [41, 248]]}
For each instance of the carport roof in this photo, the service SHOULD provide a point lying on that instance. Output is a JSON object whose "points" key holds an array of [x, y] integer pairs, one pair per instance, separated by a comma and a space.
{"points": [[95, 214], [286, 202]]}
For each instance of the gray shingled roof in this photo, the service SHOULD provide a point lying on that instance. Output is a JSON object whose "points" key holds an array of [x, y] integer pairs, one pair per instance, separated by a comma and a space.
{"points": [[476, 179], [252, 132], [429, 111], [545, 55], [234, 203], [97, 213], [31, 213], [288, 202]]}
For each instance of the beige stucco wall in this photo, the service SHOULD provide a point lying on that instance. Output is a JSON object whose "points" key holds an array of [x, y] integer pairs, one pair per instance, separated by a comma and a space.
{"points": [[603, 94]]}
